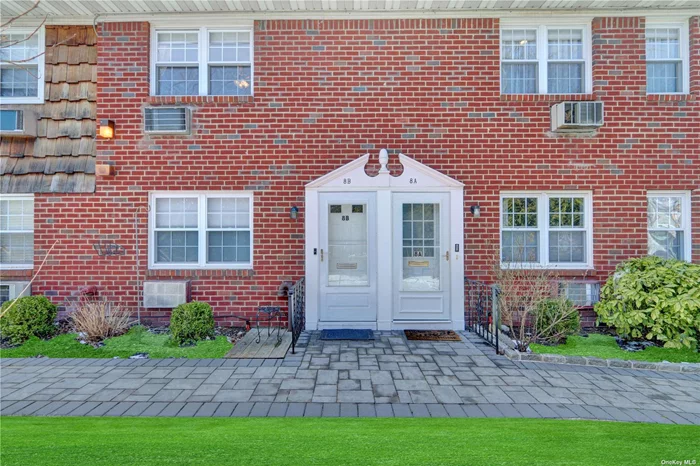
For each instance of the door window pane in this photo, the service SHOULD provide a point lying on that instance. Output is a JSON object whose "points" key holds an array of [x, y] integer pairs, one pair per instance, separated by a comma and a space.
{"points": [[347, 245], [421, 247]]}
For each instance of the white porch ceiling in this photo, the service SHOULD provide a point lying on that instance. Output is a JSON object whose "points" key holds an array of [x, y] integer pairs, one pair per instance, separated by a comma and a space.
{"points": [[84, 9]]}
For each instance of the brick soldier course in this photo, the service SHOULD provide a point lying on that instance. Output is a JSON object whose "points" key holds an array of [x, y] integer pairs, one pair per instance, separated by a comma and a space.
{"points": [[387, 377]]}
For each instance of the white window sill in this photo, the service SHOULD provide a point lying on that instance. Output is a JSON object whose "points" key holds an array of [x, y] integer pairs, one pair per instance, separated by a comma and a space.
{"points": [[200, 267], [539, 266], [16, 266], [22, 100]]}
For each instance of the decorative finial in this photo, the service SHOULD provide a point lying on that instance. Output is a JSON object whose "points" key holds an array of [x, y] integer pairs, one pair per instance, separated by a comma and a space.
{"points": [[383, 160]]}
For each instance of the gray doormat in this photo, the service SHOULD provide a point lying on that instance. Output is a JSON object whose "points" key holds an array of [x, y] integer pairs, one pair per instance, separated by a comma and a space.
{"points": [[347, 334]]}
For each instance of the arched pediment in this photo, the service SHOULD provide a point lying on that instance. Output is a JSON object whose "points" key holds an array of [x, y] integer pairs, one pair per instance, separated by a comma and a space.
{"points": [[415, 175]]}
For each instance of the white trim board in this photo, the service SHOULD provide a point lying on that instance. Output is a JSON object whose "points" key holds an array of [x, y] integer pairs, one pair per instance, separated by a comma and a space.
{"points": [[415, 178], [229, 17]]}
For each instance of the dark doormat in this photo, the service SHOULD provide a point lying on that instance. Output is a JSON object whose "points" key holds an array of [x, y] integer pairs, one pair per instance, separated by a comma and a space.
{"points": [[432, 335], [347, 334]]}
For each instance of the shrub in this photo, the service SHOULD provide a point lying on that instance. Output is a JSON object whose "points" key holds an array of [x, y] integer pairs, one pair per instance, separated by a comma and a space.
{"points": [[557, 318], [653, 298], [27, 317], [191, 322], [99, 319]]}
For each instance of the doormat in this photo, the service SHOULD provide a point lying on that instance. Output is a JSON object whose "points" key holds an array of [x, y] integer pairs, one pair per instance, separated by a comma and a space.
{"points": [[347, 334], [432, 335]]}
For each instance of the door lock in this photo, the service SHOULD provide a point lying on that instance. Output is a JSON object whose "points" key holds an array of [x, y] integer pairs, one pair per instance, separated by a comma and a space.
{"points": [[321, 255], [447, 255]]}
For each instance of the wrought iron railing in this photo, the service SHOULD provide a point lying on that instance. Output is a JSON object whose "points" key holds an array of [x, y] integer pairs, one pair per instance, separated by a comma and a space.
{"points": [[481, 310], [297, 311]]}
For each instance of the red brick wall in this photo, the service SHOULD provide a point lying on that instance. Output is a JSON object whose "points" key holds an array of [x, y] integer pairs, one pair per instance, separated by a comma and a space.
{"points": [[327, 92]]}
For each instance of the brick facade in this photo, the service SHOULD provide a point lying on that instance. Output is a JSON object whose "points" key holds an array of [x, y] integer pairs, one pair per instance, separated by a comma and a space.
{"points": [[327, 92]]}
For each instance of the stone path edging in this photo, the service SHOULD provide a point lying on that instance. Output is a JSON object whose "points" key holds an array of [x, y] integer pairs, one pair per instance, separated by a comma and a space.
{"points": [[686, 367]]}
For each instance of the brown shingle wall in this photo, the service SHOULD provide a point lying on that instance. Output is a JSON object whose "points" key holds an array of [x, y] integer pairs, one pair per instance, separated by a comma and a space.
{"points": [[62, 157]]}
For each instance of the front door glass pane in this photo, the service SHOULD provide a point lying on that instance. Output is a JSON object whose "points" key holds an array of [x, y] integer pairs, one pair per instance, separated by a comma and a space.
{"points": [[347, 245], [421, 247]]}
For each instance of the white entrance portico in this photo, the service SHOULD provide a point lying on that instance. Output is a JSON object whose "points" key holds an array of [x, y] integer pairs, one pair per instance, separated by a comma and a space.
{"points": [[384, 252]]}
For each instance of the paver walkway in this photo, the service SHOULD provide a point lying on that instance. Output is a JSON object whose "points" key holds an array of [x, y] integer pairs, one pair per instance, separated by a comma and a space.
{"points": [[389, 376]]}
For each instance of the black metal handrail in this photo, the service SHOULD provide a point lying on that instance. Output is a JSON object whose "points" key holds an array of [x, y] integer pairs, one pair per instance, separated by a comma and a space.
{"points": [[297, 311], [481, 310]]}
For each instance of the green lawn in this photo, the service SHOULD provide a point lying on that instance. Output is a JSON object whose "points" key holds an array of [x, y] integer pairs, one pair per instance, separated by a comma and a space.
{"points": [[604, 346], [137, 340], [299, 441]]}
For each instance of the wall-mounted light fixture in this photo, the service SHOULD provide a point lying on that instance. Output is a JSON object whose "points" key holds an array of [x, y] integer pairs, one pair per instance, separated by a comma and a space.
{"points": [[476, 210], [294, 212], [106, 129]]}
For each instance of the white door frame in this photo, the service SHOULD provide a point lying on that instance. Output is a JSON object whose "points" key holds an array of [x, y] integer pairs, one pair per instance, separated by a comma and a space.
{"points": [[413, 308], [415, 178], [355, 297]]}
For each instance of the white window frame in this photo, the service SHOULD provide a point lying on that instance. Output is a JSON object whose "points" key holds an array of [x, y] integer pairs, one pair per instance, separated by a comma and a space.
{"points": [[203, 56], [544, 229], [684, 39], [202, 230], [542, 61], [686, 224], [19, 197], [41, 59]]}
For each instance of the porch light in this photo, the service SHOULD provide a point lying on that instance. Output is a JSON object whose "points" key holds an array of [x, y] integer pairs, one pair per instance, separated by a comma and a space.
{"points": [[476, 210], [106, 129], [294, 212]]}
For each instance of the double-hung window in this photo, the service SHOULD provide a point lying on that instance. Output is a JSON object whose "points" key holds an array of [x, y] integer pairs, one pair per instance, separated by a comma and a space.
{"points": [[16, 232], [203, 61], [546, 59], [668, 224], [208, 230], [546, 229], [22, 66], [667, 58]]}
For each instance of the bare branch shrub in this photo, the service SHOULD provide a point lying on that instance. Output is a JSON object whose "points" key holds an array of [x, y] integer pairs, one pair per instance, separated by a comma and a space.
{"points": [[97, 320], [528, 302]]}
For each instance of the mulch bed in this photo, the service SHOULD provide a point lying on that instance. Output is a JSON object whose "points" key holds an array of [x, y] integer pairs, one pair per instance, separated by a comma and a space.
{"points": [[432, 335]]}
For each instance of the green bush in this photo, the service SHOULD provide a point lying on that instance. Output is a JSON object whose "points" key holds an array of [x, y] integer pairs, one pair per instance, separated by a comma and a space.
{"points": [[557, 318], [29, 316], [192, 322], [655, 299]]}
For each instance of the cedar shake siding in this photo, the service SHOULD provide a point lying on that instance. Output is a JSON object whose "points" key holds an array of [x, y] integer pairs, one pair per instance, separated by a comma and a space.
{"points": [[62, 157], [326, 92]]}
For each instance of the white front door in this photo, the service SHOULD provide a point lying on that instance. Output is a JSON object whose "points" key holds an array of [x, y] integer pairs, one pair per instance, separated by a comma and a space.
{"points": [[348, 264], [421, 256]]}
